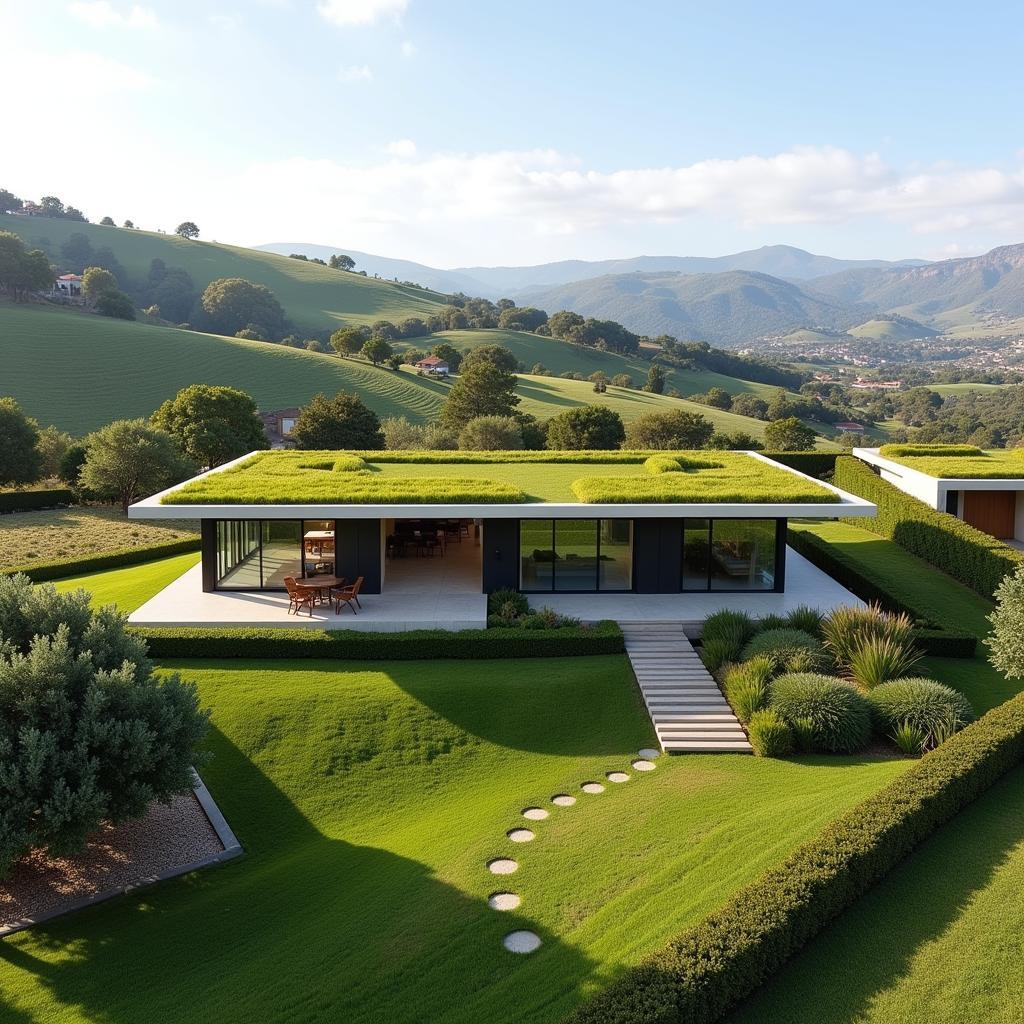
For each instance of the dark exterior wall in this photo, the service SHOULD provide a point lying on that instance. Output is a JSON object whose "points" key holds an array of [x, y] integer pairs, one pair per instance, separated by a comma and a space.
{"points": [[208, 553], [657, 556], [500, 554], [781, 527], [357, 544]]}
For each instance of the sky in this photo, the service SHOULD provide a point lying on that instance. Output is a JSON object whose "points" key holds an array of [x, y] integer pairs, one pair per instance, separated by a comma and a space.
{"points": [[457, 133]]}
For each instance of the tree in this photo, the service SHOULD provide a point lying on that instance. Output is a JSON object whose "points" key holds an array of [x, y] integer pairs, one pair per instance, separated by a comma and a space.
{"points": [[482, 390], [622, 380], [71, 463], [20, 459], [108, 222], [87, 732], [540, 370], [376, 350], [131, 459], [394, 362], [491, 434], [401, 435], [451, 355], [500, 356], [22, 271], [340, 261], [745, 404], [718, 398], [212, 423], [129, 224], [347, 341], [677, 430], [187, 229], [116, 304], [788, 435], [53, 445], [384, 330], [232, 303], [561, 323], [96, 281], [587, 428], [9, 202], [522, 318], [655, 380], [339, 422], [51, 206], [1006, 641]]}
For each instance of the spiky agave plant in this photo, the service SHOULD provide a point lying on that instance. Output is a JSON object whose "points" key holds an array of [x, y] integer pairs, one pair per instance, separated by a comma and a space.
{"points": [[876, 660], [845, 628]]}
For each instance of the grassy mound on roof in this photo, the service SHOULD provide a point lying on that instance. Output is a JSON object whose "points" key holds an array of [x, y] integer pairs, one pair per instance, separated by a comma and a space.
{"points": [[958, 461]]}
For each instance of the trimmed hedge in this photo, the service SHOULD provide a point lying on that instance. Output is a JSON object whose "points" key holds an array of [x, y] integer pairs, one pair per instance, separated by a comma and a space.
{"points": [[817, 464], [968, 555], [420, 644], [40, 572], [29, 501], [945, 643], [714, 965]]}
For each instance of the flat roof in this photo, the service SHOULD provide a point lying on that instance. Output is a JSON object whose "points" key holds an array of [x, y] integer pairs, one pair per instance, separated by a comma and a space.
{"points": [[510, 485], [960, 465]]}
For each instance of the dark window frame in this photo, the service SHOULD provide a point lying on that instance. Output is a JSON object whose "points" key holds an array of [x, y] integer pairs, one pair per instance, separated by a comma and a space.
{"points": [[778, 571], [235, 530], [597, 589]]}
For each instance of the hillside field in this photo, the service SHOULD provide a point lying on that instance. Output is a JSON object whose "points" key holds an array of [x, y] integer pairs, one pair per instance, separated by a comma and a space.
{"points": [[314, 297], [79, 371]]}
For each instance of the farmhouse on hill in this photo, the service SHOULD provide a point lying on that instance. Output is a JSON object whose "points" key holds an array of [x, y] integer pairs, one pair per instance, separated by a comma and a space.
{"points": [[433, 364]]}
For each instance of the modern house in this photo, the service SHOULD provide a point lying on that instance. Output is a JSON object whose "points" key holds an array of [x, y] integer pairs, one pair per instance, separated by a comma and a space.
{"points": [[984, 489], [434, 365], [586, 532]]}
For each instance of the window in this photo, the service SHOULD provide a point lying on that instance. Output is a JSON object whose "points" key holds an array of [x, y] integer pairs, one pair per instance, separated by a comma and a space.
{"points": [[729, 554], [255, 554], [572, 555]]}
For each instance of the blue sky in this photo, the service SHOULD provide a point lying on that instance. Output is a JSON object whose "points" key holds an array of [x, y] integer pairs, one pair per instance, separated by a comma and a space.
{"points": [[458, 133]]}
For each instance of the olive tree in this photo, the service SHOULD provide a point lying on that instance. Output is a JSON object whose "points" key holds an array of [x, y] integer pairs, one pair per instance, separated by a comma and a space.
{"points": [[1006, 641]]}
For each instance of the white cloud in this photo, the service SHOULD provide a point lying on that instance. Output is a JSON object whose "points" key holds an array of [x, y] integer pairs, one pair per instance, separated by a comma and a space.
{"points": [[103, 14], [58, 75], [404, 148], [408, 48], [347, 13], [355, 73]]}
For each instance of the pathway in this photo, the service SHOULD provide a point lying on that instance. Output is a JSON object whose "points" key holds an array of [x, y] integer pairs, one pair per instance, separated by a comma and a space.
{"points": [[689, 713]]}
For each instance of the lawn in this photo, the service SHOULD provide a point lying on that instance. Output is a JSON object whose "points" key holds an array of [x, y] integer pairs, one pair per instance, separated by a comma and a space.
{"points": [[939, 941], [369, 797], [28, 537], [132, 586], [927, 587]]}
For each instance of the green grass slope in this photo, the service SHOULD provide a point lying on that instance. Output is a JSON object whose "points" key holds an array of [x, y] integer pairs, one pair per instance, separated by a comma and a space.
{"points": [[314, 297], [369, 797], [80, 371], [891, 330]]}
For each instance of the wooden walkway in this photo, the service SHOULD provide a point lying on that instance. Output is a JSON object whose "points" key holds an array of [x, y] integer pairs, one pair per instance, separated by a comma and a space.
{"points": [[689, 713]]}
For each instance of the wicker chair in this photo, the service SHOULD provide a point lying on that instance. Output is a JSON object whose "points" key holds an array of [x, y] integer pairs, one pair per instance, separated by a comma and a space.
{"points": [[348, 596], [299, 597]]}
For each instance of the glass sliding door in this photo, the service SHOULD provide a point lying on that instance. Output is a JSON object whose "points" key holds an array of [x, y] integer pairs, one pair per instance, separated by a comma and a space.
{"points": [[743, 554], [238, 554], [576, 551], [255, 554], [696, 553], [575, 555], [281, 541], [615, 563], [536, 554]]}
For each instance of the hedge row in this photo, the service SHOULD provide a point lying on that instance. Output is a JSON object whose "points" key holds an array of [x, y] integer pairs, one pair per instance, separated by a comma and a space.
{"points": [[28, 501], [929, 635], [714, 965], [967, 554], [502, 642], [816, 464], [39, 572]]}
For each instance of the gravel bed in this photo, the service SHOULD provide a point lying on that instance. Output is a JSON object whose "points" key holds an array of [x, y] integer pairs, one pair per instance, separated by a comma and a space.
{"points": [[169, 836]]}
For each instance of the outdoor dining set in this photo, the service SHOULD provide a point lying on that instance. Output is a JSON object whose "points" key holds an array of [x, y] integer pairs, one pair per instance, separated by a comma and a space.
{"points": [[319, 590]]}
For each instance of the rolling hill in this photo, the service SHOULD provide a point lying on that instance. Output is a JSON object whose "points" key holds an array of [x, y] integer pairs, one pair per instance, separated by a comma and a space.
{"points": [[79, 371], [314, 297], [727, 309], [883, 329]]}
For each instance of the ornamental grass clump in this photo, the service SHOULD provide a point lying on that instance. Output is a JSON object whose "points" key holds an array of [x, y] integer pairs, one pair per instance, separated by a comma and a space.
{"points": [[738, 627], [717, 652], [878, 659], [934, 709], [806, 618], [844, 629], [791, 650], [769, 734], [840, 717], [746, 686], [88, 734]]}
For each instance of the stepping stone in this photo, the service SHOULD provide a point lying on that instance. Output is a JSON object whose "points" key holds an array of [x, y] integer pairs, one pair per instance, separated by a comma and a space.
{"points": [[503, 901], [535, 813], [643, 765], [617, 776], [502, 866], [563, 800], [592, 787], [649, 753], [521, 835], [521, 942]]}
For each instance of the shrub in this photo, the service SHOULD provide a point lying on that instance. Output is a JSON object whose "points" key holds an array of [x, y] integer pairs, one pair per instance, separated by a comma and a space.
{"points": [[39, 572], [910, 739], [816, 464], [769, 734], [27, 501], [803, 733], [805, 618], [840, 716], [773, 621], [968, 555], [709, 968], [931, 707], [1006, 641], [348, 464], [718, 651], [746, 686], [730, 625], [845, 629], [87, 732], [787, 647], [505, 601], [905, 451], [662, 464], [877, 659]]}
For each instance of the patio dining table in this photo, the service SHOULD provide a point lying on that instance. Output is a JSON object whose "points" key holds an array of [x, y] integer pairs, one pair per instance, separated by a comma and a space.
{"points": [[321, 584]]}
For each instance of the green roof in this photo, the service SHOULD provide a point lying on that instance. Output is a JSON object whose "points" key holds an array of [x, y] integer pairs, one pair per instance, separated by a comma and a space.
{"points": [[431, 478], [958, 462]]}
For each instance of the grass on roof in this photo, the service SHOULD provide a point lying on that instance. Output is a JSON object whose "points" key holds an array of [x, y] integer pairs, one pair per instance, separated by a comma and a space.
{"points": [[283, 478], [958, 462]]}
